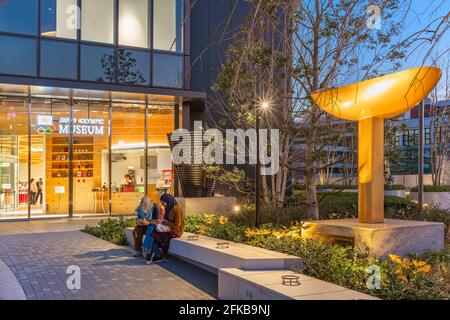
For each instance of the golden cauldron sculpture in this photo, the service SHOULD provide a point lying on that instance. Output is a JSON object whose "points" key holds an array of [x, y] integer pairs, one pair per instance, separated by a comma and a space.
{"points": [[370, 102]]}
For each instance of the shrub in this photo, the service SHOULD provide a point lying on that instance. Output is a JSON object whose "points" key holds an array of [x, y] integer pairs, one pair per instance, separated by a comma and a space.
{"points": [[431, 188], [400, 208], [394, 187], [214, 225], [337, 187], [111, 230], [338, 205]]}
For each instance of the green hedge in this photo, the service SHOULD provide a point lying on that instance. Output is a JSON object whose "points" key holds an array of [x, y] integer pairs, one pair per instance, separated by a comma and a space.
{"points": [[111, 230], [336, 187], [394, 187], [354, 187], [431, 188]]}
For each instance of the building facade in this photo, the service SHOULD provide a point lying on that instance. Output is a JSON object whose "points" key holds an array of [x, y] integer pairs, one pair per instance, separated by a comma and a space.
{"points": [[89, 90], [436, 141]]}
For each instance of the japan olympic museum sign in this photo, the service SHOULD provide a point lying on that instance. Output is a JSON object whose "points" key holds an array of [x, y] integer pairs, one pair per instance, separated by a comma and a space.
{"points": [[80, 126]]}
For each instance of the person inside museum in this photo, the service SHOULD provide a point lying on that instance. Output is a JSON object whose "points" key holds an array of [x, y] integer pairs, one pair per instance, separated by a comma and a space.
{"points": [[33, 191], [171, 227], [148, 215], [128, 180], [40, 188]]}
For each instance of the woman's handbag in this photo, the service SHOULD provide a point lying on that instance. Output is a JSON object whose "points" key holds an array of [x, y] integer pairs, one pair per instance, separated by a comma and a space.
{"points": [[162, 228]]}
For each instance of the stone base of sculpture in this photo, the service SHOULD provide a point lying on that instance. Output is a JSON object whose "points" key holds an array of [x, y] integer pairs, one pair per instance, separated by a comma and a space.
{"points": [[399, 237]]}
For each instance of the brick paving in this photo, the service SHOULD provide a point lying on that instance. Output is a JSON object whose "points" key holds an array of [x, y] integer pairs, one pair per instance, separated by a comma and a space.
{"points": [[40, 260]]}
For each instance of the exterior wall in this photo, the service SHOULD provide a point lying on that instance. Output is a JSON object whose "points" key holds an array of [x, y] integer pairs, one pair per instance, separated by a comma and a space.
{"points": [[211, 205], [212, 24]]}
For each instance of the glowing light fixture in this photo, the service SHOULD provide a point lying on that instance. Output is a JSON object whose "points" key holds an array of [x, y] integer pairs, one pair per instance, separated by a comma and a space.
{"points": [[370, 102]]}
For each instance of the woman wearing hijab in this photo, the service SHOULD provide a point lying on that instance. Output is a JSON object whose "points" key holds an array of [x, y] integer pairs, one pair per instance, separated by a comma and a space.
{"points": [[173, 220], [148, 214]]}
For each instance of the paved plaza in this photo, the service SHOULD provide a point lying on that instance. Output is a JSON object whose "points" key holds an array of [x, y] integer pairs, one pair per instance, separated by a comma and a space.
{"points": [[39, 261]]}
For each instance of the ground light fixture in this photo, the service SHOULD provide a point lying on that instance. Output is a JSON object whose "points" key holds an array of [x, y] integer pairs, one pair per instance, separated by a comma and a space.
{"points": [[370, 102]]}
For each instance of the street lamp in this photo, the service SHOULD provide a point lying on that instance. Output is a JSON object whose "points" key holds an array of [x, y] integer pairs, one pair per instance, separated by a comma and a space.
{"points": [[264, 105]]}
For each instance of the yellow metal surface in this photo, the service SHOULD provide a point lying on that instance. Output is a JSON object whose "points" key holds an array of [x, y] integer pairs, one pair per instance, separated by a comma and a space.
{"points": [[383, 97], [370, 102]]}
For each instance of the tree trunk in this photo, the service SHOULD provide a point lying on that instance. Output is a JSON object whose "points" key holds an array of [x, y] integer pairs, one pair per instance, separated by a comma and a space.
{"points": [[310, 181]]}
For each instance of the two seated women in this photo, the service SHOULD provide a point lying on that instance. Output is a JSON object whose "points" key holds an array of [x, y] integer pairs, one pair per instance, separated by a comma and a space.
{"points": [[159, 223]]}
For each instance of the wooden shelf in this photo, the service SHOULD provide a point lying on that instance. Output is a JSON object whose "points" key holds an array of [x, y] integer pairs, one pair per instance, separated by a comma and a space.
{"points": [[75, 144]]}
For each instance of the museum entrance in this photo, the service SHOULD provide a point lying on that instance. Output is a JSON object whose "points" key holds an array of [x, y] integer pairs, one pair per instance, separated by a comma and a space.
{"points": [[61, 157]]}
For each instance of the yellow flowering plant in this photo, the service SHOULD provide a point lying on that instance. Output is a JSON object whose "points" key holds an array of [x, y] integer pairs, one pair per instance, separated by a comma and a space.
{"points": [[406, 268]]}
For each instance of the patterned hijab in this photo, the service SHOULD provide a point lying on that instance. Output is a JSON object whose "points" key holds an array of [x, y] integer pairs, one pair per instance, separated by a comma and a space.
{"points": [[171, 202]]}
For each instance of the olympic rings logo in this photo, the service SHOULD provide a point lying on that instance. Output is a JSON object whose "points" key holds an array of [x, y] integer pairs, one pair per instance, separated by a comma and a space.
{"points": [[45, 129]]}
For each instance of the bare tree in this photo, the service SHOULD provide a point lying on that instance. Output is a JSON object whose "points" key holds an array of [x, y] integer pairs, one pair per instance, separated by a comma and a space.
{"points": [[288, 49], [439, 122]]}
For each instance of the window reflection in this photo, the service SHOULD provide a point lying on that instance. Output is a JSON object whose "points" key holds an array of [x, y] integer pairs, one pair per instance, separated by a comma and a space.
{"points": [[98, 63], [134, 67], [167, 71], [17, 56], [18, 16], [63, 52]]}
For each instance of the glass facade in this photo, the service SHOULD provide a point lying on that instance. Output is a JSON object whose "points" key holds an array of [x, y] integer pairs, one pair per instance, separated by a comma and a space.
{"points": [[89, 154], [134, 67], [131, 42], [59, 18], [134, 23], [168, 25], [88, 157], [17, 16], [17, 56], [167, 71], [98, 63], [97, 20], [65, 53]]}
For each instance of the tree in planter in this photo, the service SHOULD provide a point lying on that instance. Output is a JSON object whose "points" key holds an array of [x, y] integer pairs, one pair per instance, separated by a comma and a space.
{"points": [[392, 151], [320, 48]]}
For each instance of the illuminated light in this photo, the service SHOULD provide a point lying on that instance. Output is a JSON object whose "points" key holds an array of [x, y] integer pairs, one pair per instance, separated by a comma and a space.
{"points": [[121, 145], [347, 104], [379, 88], [37, 148], [265, 105], [128, 27], [237, 209]]}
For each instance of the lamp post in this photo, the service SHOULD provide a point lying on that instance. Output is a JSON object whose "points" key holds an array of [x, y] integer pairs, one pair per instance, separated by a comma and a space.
{"points": [[420, 162], [264, 105]]}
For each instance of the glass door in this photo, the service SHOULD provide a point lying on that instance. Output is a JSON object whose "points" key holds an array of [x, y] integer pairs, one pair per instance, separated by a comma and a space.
{"points": [[90, 161], [49, 158], [127, 157], [13, 159]]}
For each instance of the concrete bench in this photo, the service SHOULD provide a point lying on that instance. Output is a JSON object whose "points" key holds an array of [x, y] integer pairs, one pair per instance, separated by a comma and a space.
{"points": [[236, 284], [206, 253]]}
